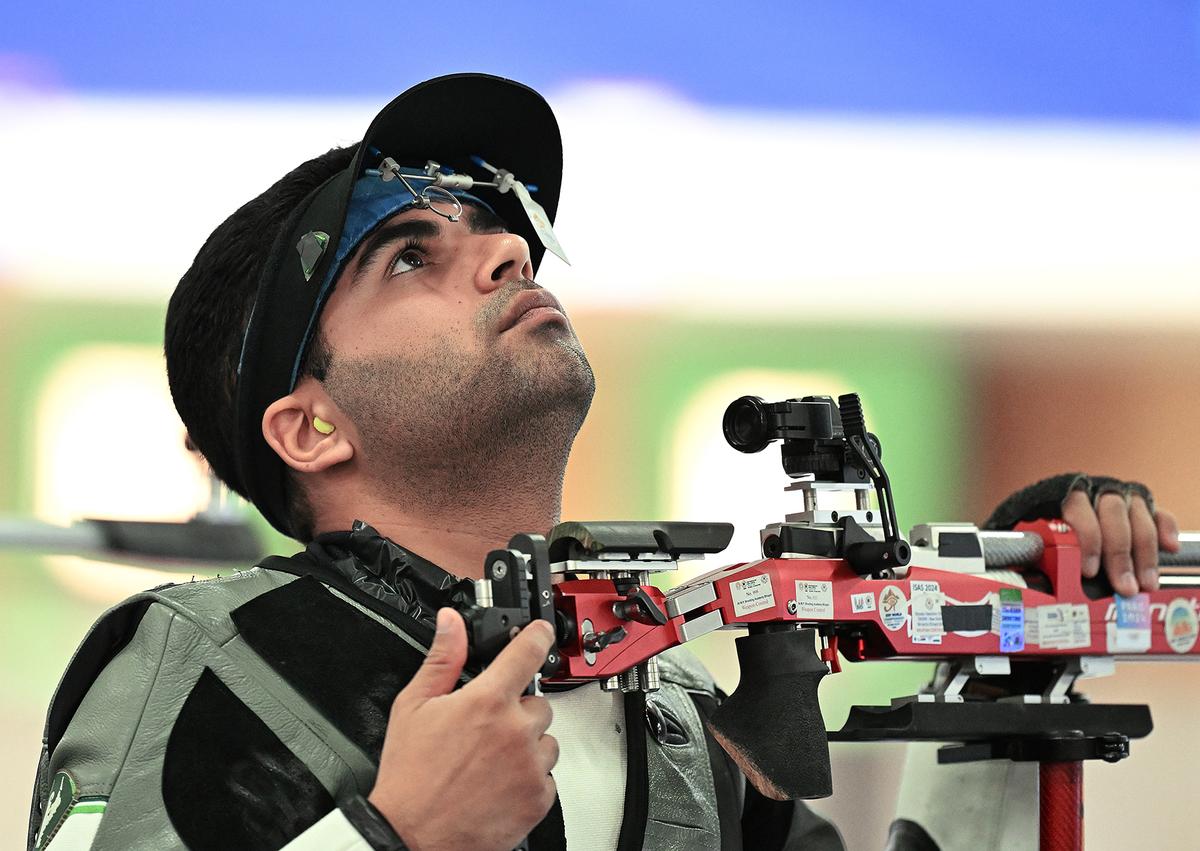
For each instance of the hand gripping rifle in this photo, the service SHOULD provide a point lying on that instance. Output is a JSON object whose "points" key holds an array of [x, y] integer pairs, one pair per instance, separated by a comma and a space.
{"points": [[1008, 608]]}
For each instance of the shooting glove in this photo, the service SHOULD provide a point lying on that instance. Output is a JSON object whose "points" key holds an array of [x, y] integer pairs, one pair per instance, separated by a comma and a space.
{"points": [[1044, 500]]}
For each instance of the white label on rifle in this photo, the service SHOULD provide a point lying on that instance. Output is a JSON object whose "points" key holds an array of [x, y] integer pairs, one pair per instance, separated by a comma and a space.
{"points": [[1127, 640], [1062, 627], [926, 625], [1032, 632], [1081, 625], [864, 602], [751, 595], [1054, 631], [814, 599]]}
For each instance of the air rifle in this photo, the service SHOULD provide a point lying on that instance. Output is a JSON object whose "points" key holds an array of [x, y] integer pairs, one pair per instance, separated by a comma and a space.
{"points": [[1005, 607]]}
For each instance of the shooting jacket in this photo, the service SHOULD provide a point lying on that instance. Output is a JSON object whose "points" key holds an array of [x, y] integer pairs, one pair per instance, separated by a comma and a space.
{"points": [[237, 712]]}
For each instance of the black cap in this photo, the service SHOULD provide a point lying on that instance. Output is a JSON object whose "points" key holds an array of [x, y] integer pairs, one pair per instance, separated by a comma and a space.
{"points": [[448, 119]]}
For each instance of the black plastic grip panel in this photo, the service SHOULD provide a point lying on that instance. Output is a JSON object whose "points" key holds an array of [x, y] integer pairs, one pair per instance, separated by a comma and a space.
{"points": [[771, 725]]}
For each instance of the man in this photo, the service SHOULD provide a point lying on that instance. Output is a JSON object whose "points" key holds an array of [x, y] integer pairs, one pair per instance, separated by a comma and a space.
{"points": [[361, 351]]}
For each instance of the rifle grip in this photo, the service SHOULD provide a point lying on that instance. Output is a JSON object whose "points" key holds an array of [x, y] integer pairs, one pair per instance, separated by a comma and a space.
{"points": [[771, 725]]}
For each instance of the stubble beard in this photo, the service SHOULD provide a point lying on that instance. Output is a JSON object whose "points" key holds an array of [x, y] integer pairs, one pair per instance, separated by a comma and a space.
{"points": [[448, 424]]}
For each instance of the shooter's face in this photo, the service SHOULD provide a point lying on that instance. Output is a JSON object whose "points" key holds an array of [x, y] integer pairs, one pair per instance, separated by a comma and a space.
{"points": [[440, 338]]}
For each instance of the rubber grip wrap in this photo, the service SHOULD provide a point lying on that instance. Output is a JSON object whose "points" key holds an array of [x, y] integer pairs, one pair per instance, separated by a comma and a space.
{"points": [[1011, 549], [1188, 556], [1020, 549], [772, 725]]}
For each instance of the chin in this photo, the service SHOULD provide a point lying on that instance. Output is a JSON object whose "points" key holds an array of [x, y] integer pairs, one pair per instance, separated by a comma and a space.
{"points": [[563, 373]]}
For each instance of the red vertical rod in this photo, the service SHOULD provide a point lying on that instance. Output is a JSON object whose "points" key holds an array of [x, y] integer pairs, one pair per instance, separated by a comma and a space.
{"points": [[1060, 787]]}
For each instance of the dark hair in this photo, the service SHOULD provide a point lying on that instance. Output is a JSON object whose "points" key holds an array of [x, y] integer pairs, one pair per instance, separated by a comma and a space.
{"points": [[207, 317]]}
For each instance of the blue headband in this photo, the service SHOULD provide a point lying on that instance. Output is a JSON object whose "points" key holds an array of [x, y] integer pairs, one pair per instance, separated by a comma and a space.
{"points": [[372, 201]]}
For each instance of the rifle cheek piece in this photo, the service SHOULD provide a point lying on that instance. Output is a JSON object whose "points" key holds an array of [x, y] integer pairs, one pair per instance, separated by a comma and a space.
{"points": [[771, 725]]}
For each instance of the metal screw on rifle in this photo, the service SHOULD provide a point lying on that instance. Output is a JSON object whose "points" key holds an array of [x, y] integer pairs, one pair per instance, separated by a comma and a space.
{"points": [[552, 659], [546, 594], [499, 569], [792, 607]]}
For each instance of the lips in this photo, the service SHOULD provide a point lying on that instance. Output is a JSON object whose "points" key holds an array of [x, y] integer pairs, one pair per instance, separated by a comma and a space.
{"points": [[525, 302]]}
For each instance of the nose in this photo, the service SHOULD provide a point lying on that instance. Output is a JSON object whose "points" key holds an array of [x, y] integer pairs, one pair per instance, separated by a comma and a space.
{"points": [[506, 259]]}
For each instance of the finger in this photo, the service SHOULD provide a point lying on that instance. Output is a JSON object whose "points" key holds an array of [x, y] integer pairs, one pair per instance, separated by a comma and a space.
{"points": [[539, 713], [1078, 512], [1144, 537], [1168, 531], [1115, 543], [548, 796], [547, 753], [514, 667], [533, 806], [441, 669]]}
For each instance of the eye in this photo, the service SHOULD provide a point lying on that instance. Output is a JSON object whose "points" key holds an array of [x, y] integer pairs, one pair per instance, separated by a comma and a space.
{"points": [[411, 257]]}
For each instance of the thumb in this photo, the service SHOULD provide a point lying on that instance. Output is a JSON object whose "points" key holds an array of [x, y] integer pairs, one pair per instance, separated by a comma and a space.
{"points": [[440, 671]]}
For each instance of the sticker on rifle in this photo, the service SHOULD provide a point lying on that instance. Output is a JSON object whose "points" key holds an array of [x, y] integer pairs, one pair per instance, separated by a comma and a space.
{"points": [[1012, 621], [864, 602], [751, 595], [1130, 633], [1133, 612], [1062, 626], [1080, 617], [893, 607], [1054, 631], [1181, 624], [814, 599], [926, 626]]}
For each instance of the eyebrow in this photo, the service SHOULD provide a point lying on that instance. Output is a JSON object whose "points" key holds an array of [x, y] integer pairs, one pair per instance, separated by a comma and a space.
{"points": [[389, 235], [482, 220], [479, 220]]}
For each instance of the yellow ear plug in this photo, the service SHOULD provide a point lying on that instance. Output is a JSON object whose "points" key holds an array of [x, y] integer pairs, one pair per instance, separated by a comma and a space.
{"points": [[322, 426]]}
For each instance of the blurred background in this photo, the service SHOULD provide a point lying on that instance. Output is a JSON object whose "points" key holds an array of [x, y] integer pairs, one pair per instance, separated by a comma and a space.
{"points": [[985, 218]]}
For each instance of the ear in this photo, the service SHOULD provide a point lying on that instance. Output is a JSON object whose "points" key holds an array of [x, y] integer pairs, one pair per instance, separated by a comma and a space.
{"points": [[288, 427]]}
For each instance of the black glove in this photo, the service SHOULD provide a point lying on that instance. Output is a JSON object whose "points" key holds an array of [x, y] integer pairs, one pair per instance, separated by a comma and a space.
{"points": [[1044, 500]]}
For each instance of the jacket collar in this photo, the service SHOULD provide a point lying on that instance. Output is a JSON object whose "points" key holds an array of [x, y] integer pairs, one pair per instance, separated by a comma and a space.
{"points": [[391, 573]]}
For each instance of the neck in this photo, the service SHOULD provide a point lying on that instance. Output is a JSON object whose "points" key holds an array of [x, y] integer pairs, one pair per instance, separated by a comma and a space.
{"points": [[452, 516]]}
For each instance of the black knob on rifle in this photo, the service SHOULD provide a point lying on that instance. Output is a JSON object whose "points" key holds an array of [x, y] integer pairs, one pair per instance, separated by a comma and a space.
{"points": [[637, 606], [875, 557], [594, 642], [771, 725]]}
